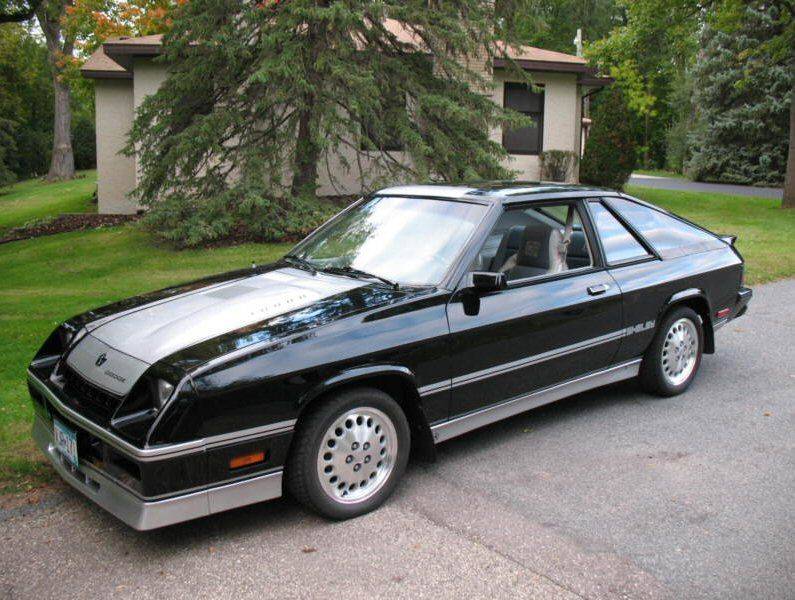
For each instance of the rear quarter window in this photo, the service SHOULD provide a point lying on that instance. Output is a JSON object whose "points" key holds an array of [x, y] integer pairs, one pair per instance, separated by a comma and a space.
{"points": [[618, 243], [669, 236]]}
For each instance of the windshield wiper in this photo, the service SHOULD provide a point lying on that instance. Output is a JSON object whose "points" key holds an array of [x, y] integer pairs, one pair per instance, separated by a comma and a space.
{"points": [[301, 262], [359, 273]]}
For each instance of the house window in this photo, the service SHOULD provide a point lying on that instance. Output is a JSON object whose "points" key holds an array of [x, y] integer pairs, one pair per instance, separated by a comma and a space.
{"points": [[521, 98]]}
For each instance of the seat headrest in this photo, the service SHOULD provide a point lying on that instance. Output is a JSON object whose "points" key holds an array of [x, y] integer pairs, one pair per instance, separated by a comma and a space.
{"points": [[539, 243]]}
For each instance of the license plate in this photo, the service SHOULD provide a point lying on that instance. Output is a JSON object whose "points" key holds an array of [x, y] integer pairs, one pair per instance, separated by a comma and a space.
{"points": [[65, 441]]}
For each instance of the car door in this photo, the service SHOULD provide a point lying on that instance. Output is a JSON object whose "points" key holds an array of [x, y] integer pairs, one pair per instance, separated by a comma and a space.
{"points": [[545, 327]]}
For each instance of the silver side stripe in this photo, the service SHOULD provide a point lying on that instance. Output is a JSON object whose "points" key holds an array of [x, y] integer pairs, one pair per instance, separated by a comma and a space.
{"points": [[534, 359], [519, 404]]}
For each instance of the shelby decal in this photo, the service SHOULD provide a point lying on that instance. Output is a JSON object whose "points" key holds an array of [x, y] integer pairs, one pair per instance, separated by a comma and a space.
{"points": [[113, 375], [639, 328]]}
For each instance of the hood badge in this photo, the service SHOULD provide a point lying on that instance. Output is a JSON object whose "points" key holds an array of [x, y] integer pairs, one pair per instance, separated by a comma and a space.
{"points": [[101, 359]]}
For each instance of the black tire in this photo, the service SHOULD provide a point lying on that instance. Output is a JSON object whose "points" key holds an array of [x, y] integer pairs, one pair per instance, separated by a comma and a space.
{"points": [[655, 376], [303, 467]]}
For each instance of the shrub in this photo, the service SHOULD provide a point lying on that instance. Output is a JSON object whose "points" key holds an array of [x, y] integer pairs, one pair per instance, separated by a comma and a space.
{"points": [[558, 165], [610, 150]]}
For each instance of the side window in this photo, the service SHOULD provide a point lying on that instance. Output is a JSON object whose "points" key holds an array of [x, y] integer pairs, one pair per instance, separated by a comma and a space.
{"points": [[535, 241], [618, 243], [668, 235]]}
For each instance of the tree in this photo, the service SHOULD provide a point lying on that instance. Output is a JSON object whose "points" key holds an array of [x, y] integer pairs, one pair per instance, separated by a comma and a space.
{"points": [[293, 83], [25, 99], [60, 47], [17, 11], [743, 104], [7, 149], [610, 149]]}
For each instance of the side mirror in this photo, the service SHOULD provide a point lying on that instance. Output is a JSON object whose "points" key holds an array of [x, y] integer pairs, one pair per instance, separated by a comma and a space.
{"points": [[484, 281]]}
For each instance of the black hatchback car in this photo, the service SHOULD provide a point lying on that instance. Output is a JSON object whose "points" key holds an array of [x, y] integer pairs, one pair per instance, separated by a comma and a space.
{"points": [[416, 315]]}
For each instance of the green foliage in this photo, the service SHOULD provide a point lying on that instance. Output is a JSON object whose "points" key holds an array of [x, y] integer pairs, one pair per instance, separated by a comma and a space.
{"points": [[743, 96], [648, 55], [557, 165], [610, 149], [553, 24], [293, 83], [26, 100], [8, 149]]}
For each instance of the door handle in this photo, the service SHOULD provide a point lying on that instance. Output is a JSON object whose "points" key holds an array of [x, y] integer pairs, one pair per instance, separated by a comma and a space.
{"points": [[596, 290]]}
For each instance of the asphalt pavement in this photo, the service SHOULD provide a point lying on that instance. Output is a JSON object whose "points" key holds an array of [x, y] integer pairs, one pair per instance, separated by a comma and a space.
{"points": [[611, 494], [675, 183]]}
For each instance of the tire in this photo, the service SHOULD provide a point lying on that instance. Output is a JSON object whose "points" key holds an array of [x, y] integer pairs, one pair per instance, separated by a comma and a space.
{"points": [[671, 362], [349, 453]]}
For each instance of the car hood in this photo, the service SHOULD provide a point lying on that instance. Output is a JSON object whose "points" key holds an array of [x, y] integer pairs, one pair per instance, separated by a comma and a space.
{"points": [[120, 346]]}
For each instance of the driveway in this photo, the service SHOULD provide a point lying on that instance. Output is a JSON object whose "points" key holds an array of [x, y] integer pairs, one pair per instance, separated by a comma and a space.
{"points": [[673, 183], [611, 494]]}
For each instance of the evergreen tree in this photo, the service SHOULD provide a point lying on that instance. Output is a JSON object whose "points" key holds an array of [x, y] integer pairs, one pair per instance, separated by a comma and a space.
{"points": [[743, 101], [260, 94], [610, 152]]}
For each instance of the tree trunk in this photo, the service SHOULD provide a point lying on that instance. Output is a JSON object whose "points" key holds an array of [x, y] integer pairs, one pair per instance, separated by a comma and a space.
{"points": [[62, 164], [307, 155], [788, 201]]}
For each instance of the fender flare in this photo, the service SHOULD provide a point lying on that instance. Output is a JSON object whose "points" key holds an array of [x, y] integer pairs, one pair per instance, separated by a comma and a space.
{"points": [[699, 301], [410, 402]]}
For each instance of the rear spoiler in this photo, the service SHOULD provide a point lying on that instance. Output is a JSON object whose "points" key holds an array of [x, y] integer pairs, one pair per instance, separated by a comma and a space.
{"points": [[729, 239]]}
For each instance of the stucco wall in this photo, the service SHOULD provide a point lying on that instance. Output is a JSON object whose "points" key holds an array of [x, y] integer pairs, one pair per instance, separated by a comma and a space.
{"points": [[117, 100], [561, 119], [115, 172]]}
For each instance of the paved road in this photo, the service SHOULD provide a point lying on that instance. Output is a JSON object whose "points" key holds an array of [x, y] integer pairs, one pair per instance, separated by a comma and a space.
{"points": [[673, 183], [608, 495]]}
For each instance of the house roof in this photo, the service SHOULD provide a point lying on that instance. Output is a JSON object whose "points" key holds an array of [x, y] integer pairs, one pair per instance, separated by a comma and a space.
{"points": [[112, 59]]}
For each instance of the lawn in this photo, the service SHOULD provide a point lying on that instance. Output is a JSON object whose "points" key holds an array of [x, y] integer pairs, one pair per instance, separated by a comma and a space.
{"points": [[765, 233], [48, 279], [33, 199]]}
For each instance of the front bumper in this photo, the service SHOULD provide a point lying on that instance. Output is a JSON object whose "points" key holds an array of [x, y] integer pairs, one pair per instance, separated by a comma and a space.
{"points": [[140, 514], [136, 511]]}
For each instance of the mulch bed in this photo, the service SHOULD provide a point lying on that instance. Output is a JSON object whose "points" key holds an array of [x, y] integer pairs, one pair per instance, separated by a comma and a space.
{"points": [[65, 224]]}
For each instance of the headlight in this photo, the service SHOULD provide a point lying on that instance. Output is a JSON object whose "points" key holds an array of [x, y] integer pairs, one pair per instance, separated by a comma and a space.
{"points": [[164, 391]]}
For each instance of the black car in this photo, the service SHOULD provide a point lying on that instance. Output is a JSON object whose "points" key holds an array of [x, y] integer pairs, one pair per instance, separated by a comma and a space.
{"points": [[416, 315]]}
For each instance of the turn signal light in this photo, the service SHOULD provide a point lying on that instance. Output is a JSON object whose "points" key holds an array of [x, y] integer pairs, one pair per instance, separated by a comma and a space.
{"points": [[246, 460]]}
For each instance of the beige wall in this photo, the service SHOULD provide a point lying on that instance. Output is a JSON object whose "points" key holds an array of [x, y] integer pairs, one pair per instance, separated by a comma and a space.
{"points": [[561, 119], [117, 100], [115, 172]]}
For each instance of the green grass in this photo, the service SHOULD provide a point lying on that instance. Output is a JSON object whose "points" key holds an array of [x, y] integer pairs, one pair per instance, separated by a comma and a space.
{"points": [[765, 232], [49, 279], [33, 199], [658, 173]]}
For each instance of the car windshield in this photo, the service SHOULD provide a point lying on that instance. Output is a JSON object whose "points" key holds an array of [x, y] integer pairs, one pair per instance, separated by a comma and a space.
{"points": [[409, 241]]}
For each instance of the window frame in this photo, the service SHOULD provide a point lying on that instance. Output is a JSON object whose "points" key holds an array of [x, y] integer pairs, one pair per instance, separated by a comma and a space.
{"points": [[651, 253], [540, 119], [591, 240]]}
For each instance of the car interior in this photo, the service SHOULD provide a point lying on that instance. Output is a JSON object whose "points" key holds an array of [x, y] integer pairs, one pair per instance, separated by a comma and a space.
{"points": [[533, 242]]}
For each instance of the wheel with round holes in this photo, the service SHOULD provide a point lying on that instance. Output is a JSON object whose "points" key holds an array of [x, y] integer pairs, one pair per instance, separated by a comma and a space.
{"points": [[672, 360], [349, 453]]}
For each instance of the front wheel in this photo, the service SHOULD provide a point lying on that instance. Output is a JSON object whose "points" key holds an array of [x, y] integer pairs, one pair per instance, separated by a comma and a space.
{"points": [[349, 453], [674, 356]]}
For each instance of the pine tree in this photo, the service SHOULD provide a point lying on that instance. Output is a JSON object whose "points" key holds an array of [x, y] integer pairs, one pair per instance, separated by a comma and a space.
{"points": [[610, 152], [261, 94], [743, 100]]}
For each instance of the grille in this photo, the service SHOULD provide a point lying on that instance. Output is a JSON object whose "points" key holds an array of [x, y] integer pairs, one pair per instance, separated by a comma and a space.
{"points": [[88, 396]]}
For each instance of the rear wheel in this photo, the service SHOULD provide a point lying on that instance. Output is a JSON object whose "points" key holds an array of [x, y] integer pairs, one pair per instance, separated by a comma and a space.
{"points": [[349, 453], [674, 356]]}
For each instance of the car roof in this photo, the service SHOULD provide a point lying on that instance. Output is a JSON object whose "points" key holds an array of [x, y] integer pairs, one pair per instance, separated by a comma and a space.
{"points": [[496, 191]]}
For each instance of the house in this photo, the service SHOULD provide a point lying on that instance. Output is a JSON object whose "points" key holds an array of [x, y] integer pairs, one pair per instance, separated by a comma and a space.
{"points": [[125, 73]]}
